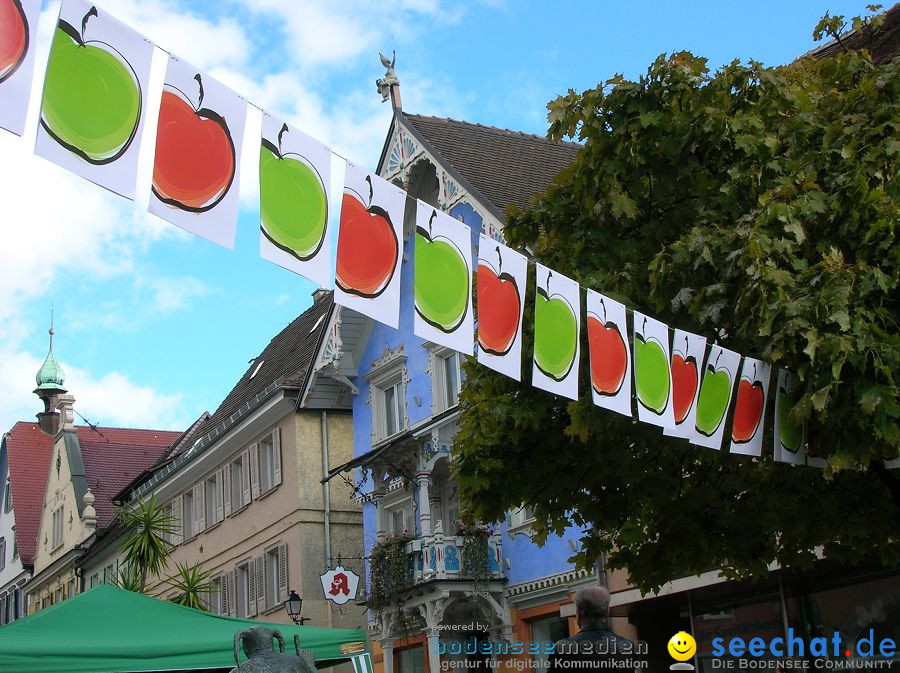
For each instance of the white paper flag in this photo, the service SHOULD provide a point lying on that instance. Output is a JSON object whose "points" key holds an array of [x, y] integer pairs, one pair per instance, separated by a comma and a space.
{"points": [[716, 389], [790, 438], [687, 364], [442, 267], [95, 97], [502, 274], [610, 355], [557, 326], [294, 203], [367, 273], [748, 419], [196, 168], [652, 371], [18, 30]]}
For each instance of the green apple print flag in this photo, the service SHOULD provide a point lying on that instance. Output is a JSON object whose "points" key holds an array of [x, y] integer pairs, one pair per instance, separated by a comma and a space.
{"points": [[442, 259], [502, 273], [717, 383], [790, 437], [652, 371], [294, 201], [94, 98], [18, 30], [749, 416], [557, 325]]}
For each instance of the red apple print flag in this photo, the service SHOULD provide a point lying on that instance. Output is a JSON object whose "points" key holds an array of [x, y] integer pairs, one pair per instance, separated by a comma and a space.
{"points": [[367, 266], [716, 389], [294, 189], [18, 28], [95, 97], [557, 325], [196, 171], [748, 419], [610, 355], [652, 371], [442, 267], [790, 436], [502, 274], [687, 359]]}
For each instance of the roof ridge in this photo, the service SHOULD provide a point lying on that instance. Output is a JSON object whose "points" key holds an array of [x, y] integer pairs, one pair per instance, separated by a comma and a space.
{"points": [[498, 129]]}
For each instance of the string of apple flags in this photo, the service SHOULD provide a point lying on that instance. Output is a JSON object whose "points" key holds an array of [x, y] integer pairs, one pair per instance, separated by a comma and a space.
{"points": [[91, 121]]}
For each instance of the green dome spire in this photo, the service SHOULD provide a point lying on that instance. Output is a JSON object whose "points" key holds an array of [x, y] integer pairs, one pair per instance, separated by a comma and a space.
{"points": [[50, 376]]}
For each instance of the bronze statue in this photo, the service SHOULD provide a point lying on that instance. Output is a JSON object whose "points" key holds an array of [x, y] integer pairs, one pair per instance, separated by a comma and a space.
{"points": [[385, 83], [262, 657]]}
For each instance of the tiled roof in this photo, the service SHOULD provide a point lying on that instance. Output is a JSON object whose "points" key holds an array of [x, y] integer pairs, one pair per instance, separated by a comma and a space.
{"points": [[506, 167], [115, 456], [286, 360], [29, 462], [112, 457], [883, 44]]}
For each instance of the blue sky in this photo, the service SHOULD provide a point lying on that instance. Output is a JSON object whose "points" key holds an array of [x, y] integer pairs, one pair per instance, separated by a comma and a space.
{"points": [[155, 326]]}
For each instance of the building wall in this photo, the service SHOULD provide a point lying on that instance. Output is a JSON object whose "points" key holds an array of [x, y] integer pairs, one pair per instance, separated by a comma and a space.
{"points": [[60, 492], [13, 576], [291, 513]]}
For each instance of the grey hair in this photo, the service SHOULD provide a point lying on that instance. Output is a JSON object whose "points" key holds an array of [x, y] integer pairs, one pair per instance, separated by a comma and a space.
{"points": [[592, 602]]}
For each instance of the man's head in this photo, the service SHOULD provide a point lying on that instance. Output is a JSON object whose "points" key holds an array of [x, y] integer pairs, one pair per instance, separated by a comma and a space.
{"points": [[591, 605]]}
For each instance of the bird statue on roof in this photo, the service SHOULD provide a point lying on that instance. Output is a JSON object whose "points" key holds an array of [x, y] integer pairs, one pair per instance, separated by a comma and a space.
{"points": [[385, 83]]}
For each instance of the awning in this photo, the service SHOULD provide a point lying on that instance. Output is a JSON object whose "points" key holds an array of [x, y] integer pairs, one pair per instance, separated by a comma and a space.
{"points": [[111, 630], [415, 433]]}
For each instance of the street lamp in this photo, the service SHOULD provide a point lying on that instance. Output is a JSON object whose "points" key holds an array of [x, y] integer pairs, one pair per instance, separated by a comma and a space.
{"points": [[293, 605]]}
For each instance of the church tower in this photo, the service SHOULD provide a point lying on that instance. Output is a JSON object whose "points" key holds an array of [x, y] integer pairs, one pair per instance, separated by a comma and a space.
{"points": [[50, 379]]}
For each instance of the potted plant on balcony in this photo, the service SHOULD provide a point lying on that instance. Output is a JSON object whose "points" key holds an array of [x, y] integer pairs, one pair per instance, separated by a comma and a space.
{"points": [[475, 549], [390, 573]]}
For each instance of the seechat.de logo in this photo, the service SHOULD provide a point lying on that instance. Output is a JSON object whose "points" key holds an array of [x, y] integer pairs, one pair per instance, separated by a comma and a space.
{"points": [[682, 647]]}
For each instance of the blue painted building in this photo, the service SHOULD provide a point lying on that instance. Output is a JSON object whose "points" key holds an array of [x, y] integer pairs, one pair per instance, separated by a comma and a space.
{"points": [[405, 418]]}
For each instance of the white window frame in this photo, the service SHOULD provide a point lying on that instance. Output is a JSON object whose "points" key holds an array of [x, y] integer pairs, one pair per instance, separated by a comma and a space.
{"points": [[242, 597], [213, 499], [7, 496], [388, 375], [406, 508], [439, 396], [2, 553], [57, 523], [274, 565], [239, 495], [188, 514], [268, 461], [521, 520]]}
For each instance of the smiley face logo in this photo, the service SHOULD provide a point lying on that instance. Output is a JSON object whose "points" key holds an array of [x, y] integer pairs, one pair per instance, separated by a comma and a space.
{"points": [[682, 646]]}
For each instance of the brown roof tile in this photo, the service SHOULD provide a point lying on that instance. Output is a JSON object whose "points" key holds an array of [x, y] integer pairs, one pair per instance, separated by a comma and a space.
{"points": [[506, 167], [883, 44], [112, 457]]}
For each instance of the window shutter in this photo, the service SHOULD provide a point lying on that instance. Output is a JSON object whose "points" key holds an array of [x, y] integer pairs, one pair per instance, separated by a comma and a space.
{"points": [[276, 457], [230, 596], [251, 588], [254, 470], [226, 491], [261, 603], [282, 572], [177, 514], [245, 469], [199, 508], [220, 496]]}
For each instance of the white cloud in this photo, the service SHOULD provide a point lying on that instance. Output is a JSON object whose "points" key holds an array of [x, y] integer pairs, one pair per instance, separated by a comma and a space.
{"points": [[111, 399]]}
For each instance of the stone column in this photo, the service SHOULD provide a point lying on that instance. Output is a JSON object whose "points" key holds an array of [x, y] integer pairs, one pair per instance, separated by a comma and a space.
{"points": [[423, 481], [387, 647], [433, 636], [378, 499]]}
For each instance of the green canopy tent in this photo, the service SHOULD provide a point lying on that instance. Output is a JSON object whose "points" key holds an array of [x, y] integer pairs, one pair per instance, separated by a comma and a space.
{"points": [[110, 630]]}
